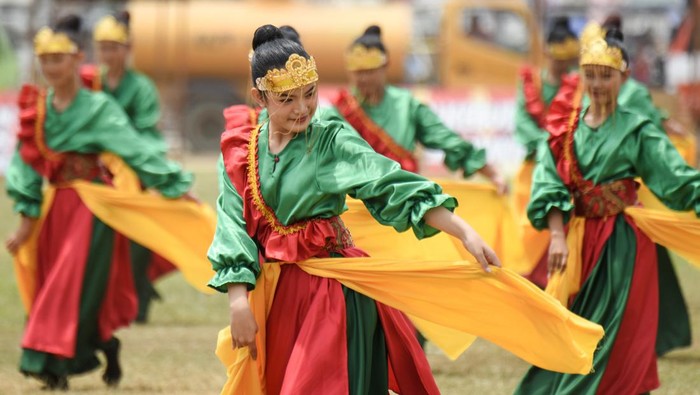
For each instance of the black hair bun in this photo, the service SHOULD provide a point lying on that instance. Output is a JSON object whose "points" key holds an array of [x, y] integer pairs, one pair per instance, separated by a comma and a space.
{"points": [[613, 22], [266, 33], [560, 22], [373, 30], [290, 33], [69, 23], [123, 17], [614, 34]]}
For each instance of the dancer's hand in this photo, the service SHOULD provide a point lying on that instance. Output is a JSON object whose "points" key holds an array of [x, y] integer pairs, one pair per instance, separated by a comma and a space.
{"points": [[448, 222], [243, 325], [496, 179], [21, 235], [558, 253], [190, 197], [673, 127], [481, 251]]}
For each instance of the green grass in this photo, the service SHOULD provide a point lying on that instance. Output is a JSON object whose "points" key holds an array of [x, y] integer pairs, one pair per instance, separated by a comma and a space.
{"points": [[173, 354]]}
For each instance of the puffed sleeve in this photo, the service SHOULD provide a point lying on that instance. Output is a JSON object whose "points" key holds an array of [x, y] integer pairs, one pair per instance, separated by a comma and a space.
{"points": [[114, 133], [233, 254], [548, 190], [394, 197], [23, 185], [665, 172], [460, 154]]}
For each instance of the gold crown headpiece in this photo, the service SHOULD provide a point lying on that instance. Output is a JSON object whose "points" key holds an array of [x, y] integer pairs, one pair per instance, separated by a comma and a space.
{"points": [[565, 50], [47, 41], [590, 32], [596, 51], [110, 29], [362, 58], [297, 72]]}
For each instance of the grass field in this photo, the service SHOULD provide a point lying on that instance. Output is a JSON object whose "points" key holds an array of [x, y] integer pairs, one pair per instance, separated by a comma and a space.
{"points": [[173, 354]]}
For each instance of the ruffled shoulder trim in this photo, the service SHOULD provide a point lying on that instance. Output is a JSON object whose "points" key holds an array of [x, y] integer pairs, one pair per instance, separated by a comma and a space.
{"points": [[91, 77], [558, 118], [532, 92], [240, 115], [33, 150]]}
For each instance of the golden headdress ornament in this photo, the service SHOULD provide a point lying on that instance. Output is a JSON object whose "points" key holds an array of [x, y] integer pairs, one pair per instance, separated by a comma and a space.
{"points": [[360, 57], [47, 41], [590, 32], [110, 29], [596, 51], [297, 72], [565, 50]]}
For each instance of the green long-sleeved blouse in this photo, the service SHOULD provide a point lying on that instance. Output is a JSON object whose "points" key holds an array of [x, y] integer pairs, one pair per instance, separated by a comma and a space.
{"points": [[626, 145], [311, 179], [93, 123], [408, 121], [138, 96]]}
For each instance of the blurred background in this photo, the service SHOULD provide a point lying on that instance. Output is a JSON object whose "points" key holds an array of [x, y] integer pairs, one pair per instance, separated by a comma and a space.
{"points": [[460, 56]]}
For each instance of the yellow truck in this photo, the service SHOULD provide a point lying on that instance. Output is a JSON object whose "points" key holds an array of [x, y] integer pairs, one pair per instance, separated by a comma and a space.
{"points": [[197, 53]]}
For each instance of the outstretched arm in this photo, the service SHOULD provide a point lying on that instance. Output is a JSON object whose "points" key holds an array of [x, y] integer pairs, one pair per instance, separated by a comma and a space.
{"points": [[450, 223]]}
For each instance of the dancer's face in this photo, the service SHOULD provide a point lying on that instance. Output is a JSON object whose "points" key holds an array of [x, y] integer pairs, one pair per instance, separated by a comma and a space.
{"points": [[602, 85], [558, 68], [112, 54], [60, 69], [290, 111], [369, 83]]}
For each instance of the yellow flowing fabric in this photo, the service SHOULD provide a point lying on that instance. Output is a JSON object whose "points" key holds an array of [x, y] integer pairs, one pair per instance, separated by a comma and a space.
{"points": [[178, 230], [123, 178], [562, 285], [677, 231], [536, 241], [501, 307], [489, 214], [686, 146], [26, 257]]}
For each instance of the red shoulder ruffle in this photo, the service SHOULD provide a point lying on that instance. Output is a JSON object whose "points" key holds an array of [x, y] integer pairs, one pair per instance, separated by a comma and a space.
{"points": [[239, 115], [532, 91], [558, 118], [91, 77], [33, 150], [561, 123]]}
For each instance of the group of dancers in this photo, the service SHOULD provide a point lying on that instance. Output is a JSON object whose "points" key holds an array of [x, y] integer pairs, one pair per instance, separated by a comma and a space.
{"points": [[310, 311]]}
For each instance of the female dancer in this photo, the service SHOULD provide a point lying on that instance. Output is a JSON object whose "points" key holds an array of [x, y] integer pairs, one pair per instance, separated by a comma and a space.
{"points": [[137, 95], [533, 100], [594, 154], [392, 121], [83, 287]]}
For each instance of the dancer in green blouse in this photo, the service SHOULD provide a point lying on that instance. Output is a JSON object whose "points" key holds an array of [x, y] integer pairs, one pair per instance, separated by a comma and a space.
{"points": [[83, 290], [393, 122], [593, 156], [284, 189], [138, 96]]}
